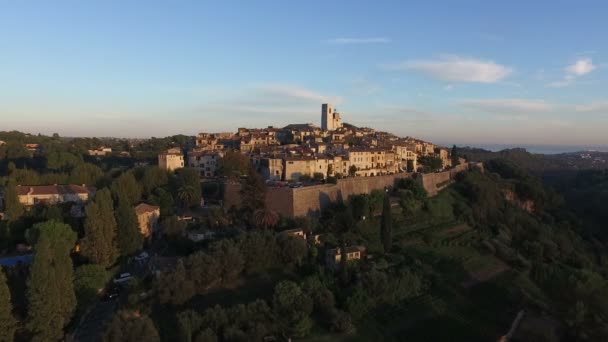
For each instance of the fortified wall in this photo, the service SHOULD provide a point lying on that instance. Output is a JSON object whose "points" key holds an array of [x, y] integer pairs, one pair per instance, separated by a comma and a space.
{"points": [[310, 200], [435, 182]]}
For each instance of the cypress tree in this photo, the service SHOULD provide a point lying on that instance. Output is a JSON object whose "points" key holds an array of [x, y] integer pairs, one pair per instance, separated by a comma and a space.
{"points": [[8, 324], [13, 209], [386, 225], [50, 288], [99, 242], [129, 238]]}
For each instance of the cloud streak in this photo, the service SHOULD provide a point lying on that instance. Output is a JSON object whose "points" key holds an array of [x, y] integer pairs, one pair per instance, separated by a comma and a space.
{"points": [[508, 106], [594, 107], [455, 69], [581, 67], [294, 92], [353, 41]]}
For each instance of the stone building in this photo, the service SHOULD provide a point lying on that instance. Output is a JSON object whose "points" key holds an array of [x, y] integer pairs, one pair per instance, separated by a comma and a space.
{"points": [[272, 168], [171, 160], [53, 194], [205, 162], [100, 152], [406, 157], [334, 256], [372, 161], [444, 155], [296, 167], [147, 218]]}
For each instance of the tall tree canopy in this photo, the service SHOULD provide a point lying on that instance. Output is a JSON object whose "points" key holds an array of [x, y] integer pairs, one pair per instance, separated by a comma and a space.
{"points": [[128, 237], [131, 327], [153, 178], [233, 165], [189, 186], [8, 324], [99, 242], [126, 186], [85, 173], [50, 288], [12, 208], [386, 225]]}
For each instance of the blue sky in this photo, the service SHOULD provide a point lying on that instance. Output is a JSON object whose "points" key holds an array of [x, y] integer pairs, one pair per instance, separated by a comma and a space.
{"points": [[527, 72]]}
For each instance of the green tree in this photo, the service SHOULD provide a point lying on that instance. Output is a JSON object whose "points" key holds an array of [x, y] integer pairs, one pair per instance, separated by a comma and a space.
{"points": [[126, 186], [50, 288], [233, 165], [189, 179], [153, 178], [292, 308], [131, 327], [13, 209], [99, 242], [88, 281], [186, 194], [259, 249], [293, 249], [253, 195], [352, 170], [359, 205], [8, 323], [85, 173], [386, 225], [265, 219], [431, 163], [62, 161], [206, 335], [455, 155], [129, 238], [230, 258], [204, 270], [176, 287]]}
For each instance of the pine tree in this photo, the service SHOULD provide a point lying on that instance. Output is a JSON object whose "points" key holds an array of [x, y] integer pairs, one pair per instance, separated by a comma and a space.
{"points": [[386, 225], [99, 242], [8, 324], [50, 289], [129, 238]]}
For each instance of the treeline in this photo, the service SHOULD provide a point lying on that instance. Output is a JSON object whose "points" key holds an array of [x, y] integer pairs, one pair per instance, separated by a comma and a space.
{"points": [[549, 244], [226, 261]]}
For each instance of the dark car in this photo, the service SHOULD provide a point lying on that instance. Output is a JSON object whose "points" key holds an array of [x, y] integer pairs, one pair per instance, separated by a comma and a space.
{"points": [[111, 293]]}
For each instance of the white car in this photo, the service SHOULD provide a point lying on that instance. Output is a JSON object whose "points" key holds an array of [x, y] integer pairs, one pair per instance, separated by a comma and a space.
{"points": [[142, 256], [123, 278]]}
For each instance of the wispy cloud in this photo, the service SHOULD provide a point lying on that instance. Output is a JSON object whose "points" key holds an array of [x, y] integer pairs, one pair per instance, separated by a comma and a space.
{"points": [[594, 107], [455, 69], [508, 106], [581, 67], [350, 40], [290, 91]]}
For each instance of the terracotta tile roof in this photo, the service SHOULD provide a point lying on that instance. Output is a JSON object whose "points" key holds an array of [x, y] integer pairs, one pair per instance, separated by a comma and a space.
{"points": [[53, 189], [143, 208]]}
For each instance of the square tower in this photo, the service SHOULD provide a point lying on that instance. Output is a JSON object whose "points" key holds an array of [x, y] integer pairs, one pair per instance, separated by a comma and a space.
{"points": [[327, 117]]}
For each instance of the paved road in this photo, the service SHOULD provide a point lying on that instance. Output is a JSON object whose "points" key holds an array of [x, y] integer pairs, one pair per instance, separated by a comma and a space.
{"points": [[94, 323]]}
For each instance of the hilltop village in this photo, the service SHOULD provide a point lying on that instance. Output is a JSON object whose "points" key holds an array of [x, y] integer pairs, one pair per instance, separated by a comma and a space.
{"points": [[301, 152]]}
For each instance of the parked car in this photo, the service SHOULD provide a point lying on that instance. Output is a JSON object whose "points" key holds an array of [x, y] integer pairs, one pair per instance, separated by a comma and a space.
{"points": [[123, 278], [143, 256]]}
